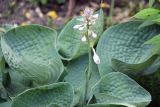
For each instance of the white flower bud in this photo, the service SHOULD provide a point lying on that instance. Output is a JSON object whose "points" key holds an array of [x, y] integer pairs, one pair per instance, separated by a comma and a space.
{"points": [[77, 26], [83, 39], [91, 33], [95, 57], [81, 28], [94, 35], [95, 16], [15, 25]]}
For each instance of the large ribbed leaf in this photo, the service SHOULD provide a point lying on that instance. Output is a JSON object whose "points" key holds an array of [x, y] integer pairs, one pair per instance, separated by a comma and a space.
{"points": [[17, 83], [76, 76], [155, 41], [54, 105], [3, 93], [53, 95], [152, 83], [118, 88], [69, 41], [105, 105], [30, 50], [6, 104], [122, 47]]}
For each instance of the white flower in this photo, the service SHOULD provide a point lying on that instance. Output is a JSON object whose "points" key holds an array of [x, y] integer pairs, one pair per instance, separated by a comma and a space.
{"points": [[87, 13], [15, 25], [95, 57], [83, 39], [88, 19], [94, 35], [95, 16], [79, 27], [91, 33], [93, 19]]}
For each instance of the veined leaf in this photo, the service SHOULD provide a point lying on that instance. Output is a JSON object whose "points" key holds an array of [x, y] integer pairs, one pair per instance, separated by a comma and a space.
{"points": [[6, 104], [155, 41], [118, 88], [69, 40], [150, 20], [54, 105], [76, 76], [17, 84], [30, 50], [105, 105], [145, 13], [152, 83], [3, 92], [146, 23], [59, 94], [122, 48]]}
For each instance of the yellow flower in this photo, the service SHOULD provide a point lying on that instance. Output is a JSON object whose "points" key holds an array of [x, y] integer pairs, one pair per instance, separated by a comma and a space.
{"points": [[24, 23], [104, 5], [28, 15], [52, 14]]}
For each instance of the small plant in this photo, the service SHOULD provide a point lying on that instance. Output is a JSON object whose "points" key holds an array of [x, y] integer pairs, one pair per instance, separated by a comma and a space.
{"points": [[82, 66]]}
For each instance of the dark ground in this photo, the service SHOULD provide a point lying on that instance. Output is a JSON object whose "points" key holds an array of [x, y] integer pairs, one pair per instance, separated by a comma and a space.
{"points": [[23, 12]]}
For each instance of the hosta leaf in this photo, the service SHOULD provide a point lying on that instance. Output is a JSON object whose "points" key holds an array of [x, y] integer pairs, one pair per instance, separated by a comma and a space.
{"points": [[3, 93], [8, 27], [69, 41], [2, 65], [122, 47], [30, 50], [155, 41], [59, 94], [105, 105], [146, 23], [133, 69], [76, 75], [152, 84], [118, 88], [6, 104], [18, 83], [145, 13], [150, 20], [54, 105]]}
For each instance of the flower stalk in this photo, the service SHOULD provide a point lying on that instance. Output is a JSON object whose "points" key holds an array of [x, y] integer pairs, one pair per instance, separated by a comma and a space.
{"points": [[88, 20]]}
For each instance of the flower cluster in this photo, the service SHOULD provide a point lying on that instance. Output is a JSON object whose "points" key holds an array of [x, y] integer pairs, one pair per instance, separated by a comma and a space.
{"points": [[88, 19]]}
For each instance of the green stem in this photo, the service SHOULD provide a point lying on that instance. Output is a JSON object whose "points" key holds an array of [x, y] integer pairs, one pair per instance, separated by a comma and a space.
{"points": [[111, 13], [88, 72], [88, 75]]}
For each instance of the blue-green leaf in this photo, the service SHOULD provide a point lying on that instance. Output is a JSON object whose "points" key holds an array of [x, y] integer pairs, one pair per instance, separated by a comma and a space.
{"points": [[122, 48], [69, 42], [118, 88], [30, 50], [59, 94]]}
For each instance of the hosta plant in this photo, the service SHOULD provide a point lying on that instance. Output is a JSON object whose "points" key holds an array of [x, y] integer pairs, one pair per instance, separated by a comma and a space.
{"points": [[81, 66]]}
